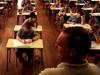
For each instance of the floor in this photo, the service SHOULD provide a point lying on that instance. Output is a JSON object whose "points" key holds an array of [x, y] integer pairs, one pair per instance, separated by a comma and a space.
{"points": [[50, 32]]}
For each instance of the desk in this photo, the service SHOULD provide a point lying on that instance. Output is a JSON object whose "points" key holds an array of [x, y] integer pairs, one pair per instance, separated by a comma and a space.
{"points": [[14, 43], [1, 8], [33, 4], [23, 14], [68, 14], [86, 26], [38, 29], [95, 0], [85, 8], [3, 3], [80, 4], [95, 14], [95, 46], [55, 8]]}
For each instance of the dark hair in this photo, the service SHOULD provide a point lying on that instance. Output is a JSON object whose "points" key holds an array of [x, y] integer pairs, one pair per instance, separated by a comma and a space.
{"points": [[72, 4], [95, 28], [78, 38], [80, 11], [32, 14]]}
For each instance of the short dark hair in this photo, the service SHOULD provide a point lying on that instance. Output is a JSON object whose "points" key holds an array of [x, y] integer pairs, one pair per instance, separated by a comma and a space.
{"points": [[79, 39], [32, 14]]}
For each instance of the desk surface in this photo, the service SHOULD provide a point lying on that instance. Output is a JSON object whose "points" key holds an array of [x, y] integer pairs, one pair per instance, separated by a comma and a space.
{"points": [[95, 46], [80, 4], [25, 13], [3, 2], [55, 8], [86, 26], [95, 0], [14, 43], [39, 28], [85, 8], [68, 14], [95, 14], [32, 3], [1, 8]]}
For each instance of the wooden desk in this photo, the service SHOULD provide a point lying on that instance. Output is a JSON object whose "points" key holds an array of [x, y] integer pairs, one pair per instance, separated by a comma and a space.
{"points": [[3, 3], [95, 14], [55, 8], [23, 14], [38, 29], [80, 4], [68, 14], [95, 46], [72, 0], [85, 8], [86, 26], [95, 0], [1, 8], [33, 4], [14, 43]]}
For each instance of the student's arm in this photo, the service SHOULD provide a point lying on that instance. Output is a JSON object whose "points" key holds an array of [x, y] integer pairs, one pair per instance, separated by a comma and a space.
{"points": [[37, 36], [18, 35], [35, 23], [19, 39], [83, 19], [24, 22]]}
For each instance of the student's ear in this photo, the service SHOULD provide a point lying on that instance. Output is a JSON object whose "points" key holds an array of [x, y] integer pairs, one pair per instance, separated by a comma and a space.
{"points": [[72, 52]]}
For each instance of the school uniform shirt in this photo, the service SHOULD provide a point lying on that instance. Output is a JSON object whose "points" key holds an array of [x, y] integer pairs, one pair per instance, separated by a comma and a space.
{"points": [[28, 8], [26, 35]]}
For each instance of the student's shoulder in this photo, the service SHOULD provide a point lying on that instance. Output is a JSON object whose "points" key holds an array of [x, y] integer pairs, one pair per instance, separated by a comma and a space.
{"points": [[93, 69], [51, 71]]}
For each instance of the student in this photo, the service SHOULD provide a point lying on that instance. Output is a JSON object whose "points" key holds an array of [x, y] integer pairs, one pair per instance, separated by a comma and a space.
{"points": [[57, 4], [62, 14], [73, 45], [26, 35], [96, 9], [88, 3], [96, 31], [79, 18], [27, 8], [32, 20]]}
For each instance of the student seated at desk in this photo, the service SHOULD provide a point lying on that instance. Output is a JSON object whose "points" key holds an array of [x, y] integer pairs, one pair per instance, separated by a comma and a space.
{"points": [[79, 18], [26, 35], [88, 3], [96, 31], [27, 8], [32, 20], [96, 9], [57, 4], [62, 13]]}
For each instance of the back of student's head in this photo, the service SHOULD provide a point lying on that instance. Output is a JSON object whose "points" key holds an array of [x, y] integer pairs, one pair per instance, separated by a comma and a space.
{"points": [[28, 25], [32, 14], [78, 39], [72, 4]]}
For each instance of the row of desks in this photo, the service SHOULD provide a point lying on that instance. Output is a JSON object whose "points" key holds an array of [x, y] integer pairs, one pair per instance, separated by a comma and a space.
{"points": [[92, 14], [14, 43]]}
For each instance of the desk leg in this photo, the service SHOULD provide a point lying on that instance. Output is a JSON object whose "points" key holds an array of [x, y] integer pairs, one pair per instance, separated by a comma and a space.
{"points": [[17, 19], [42, 63], [41, 35], [7, 58]]}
